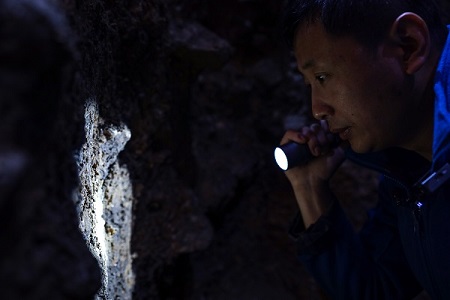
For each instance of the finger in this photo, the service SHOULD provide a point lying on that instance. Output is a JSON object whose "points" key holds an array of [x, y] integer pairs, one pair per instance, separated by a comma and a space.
{"points": [[324, 125], [294, 136], [329, 136], [313, 142], [320, 134], [332, 138]]}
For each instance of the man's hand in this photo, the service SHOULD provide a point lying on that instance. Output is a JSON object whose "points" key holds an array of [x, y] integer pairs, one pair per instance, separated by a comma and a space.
{"points": [[310, 181]]}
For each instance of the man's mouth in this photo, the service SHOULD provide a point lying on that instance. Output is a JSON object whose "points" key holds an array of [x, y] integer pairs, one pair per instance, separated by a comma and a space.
{"points": [[344, 132]]}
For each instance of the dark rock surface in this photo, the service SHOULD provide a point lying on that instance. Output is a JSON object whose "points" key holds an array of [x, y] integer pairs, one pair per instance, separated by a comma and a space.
{"points": [[42, 255]]}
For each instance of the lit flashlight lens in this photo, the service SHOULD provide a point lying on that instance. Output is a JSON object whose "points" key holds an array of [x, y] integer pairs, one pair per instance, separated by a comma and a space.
{"points": [[281, 159]]}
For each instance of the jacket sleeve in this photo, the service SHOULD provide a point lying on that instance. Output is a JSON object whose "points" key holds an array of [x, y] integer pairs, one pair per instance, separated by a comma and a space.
{"points": [[369, 264]]}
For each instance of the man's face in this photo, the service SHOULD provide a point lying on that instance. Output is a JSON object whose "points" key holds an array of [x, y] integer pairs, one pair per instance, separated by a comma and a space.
{"points": [[366, 97]]}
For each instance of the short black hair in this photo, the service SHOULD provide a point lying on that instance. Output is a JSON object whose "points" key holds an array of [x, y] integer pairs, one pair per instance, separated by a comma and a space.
{"points": [[365, 20]]}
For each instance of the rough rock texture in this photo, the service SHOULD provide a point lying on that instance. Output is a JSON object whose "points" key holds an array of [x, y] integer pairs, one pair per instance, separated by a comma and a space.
{"points": [[105, 202]]}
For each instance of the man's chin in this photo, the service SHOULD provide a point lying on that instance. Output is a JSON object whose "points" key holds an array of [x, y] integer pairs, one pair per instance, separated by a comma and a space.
{"points": [[362, 148]]}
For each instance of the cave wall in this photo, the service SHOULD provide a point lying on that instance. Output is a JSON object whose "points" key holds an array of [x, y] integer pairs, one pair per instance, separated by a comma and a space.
{"points": [[142, 167]]}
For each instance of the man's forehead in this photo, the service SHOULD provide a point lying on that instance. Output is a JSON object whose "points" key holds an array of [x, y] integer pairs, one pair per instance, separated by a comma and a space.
{"points": [[307, 35], [309, 39]]}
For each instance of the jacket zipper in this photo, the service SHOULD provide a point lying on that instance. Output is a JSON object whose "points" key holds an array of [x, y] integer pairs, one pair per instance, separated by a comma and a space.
{"points": [[416, 206]]}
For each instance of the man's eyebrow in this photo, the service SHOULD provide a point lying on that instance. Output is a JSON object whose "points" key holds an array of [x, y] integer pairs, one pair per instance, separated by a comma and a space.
{"points": [[310, 63]]}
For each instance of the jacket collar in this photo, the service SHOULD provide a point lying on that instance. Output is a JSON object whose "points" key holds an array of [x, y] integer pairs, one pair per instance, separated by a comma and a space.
{"points": [[441, 138], [403, 165]]}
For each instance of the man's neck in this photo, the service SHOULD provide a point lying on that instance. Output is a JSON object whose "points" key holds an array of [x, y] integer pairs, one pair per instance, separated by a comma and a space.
{"points": [[423, 143]]}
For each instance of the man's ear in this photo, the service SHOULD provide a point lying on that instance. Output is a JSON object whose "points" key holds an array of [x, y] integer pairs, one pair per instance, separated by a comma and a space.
{"points": [[410, 33]]}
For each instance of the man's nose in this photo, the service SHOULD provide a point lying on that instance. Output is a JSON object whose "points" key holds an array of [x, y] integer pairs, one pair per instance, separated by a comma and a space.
{"points": [[320, 109]]}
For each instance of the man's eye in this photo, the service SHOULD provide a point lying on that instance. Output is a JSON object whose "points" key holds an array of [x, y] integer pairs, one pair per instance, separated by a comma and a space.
{"points": [[321, 78]]}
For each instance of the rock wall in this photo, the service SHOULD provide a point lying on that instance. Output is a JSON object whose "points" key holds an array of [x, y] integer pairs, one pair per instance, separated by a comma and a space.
{"points": [[104, 202]]}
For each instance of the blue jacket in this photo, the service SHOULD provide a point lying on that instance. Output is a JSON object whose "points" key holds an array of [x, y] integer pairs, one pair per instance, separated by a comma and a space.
{"points": [[404, 246]]}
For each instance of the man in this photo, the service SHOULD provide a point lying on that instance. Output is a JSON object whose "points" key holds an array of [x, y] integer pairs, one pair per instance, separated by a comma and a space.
{"points": [[379, 78]]}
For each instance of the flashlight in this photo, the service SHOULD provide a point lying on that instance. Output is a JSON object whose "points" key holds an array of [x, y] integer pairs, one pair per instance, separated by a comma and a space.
{"points": [[293, 154]]}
